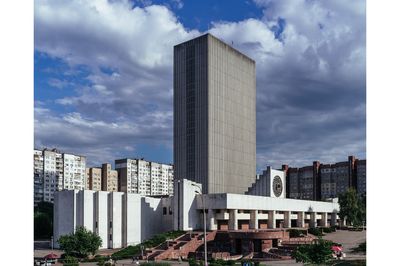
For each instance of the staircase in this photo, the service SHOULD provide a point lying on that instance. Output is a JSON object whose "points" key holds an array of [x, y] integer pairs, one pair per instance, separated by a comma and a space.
{"points": [[179, 247]]}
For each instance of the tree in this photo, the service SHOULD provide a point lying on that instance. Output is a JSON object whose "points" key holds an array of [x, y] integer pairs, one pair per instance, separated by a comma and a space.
{"points": [[43, 226], [81, 243], [317, 253], [352, 207], [43, 220]]}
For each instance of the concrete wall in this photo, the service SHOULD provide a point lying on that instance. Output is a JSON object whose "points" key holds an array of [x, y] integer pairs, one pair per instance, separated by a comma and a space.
{"points": [[185, 206], [64, 214], [101, 214], [249, 202], [133, 219], [119, 218]]}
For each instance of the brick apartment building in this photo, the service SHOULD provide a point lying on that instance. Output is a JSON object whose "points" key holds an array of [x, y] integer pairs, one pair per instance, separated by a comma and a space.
{"points": [[323, 181]]}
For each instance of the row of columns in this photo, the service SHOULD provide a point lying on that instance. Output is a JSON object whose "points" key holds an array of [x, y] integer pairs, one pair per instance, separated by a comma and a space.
{"points": [[233, 223]]}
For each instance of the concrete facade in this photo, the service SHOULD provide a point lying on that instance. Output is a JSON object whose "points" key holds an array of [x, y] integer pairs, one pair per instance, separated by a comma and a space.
{"points": [[109, 178], [144, 177], [361, 172], [55, 171], [271, 183], [38, 176], [122, 219], [214, 115], [325, 181], [93, 179]]}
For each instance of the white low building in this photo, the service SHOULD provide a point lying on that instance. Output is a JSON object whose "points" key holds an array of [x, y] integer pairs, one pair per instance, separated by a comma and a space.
{"points": [[119, 218], [122, 219]]}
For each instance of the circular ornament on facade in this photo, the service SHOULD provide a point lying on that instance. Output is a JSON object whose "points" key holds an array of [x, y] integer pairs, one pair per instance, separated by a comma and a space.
{"points": [[277, 186]]}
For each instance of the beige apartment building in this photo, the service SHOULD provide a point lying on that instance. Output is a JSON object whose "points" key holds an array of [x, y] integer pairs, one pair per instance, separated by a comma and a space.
{"points": [[102, 179], [109, 178], [93, 179]]}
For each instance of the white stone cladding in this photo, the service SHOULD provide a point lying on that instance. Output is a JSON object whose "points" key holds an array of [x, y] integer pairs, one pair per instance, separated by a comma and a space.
{"points": [[264, 184], [123, 219], [120, 219]]}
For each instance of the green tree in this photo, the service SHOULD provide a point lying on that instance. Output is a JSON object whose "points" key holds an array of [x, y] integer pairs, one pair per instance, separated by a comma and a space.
{"points": [[317, 253], [43, 220], [81, 243], [352, 207]]}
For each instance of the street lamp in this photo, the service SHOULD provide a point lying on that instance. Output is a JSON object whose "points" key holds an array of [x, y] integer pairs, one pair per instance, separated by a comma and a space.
{"points": [[204, 223]]}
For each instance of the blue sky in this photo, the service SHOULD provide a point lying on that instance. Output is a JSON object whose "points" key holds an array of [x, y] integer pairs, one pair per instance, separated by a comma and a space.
{"points": [[103, 75]]}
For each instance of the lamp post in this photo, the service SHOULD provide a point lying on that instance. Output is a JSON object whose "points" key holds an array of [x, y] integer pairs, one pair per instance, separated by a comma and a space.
{"points": [[204, 223]]}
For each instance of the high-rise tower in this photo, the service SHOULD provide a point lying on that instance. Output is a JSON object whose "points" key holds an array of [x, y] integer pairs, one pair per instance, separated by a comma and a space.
{"points": [[214, 115]]}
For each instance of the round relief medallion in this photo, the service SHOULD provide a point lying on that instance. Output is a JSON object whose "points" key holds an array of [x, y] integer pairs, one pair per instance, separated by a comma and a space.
{"points": [[277, 186]]}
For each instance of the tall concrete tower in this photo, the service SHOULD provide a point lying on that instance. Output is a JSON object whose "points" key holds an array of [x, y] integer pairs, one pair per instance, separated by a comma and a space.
{"points": [[214, 115]]}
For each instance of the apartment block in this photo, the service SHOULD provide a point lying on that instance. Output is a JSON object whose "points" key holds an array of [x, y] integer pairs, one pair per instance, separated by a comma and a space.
{"points": [[38, 176], [325, 181], [93, 179], [59, 170], [303, 182], [144, 177], [361, 176], [109, 178]]}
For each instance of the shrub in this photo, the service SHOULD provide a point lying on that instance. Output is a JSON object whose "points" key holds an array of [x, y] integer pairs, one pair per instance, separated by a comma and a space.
{"points": [[315, 231], [296, 232], [81, 243], [327, 229], [70, 261], [317, 253]]}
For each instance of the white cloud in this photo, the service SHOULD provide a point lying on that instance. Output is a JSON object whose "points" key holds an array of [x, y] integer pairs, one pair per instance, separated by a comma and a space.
{"points": [[310, 80]]}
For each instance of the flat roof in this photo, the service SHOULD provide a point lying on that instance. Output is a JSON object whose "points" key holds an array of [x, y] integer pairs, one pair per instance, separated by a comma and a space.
{"points": [[251, 202], [210, 35]]}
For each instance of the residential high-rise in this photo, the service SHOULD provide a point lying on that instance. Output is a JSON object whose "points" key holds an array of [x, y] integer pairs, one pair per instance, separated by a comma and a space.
{"points": [[324, 181], [93, 179], [214, 115], [59, 171], [109, 178], [144, 177], [74, 171], [102, 179], [361, 173], [38, 176]]}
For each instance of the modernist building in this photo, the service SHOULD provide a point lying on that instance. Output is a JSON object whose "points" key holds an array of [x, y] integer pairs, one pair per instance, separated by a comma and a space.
{"points": [[325, 181], [122, 219], [361, 174], [271, 183], [59, 171], [214, 115], [119, 218], [144, 177]]}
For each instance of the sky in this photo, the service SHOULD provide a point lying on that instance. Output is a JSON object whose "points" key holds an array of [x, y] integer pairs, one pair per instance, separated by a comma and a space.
{"points": [[103, 75]]}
